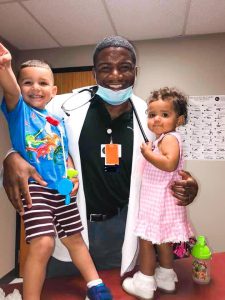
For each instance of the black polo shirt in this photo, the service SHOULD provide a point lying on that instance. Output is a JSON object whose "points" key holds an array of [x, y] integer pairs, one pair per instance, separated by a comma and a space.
{"points": [[105, 191]]}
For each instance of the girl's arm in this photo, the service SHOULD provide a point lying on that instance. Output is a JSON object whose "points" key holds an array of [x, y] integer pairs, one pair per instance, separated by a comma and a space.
{"points": [[8, 80], [75, 180], [168, 158]]}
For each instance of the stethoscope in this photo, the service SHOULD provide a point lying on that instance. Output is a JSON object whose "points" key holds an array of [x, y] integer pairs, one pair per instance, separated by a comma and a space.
{"points": [[92, 90]]}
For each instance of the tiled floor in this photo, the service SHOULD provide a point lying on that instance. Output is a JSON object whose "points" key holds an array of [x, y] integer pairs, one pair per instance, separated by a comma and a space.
{"points": [[73, 288]]}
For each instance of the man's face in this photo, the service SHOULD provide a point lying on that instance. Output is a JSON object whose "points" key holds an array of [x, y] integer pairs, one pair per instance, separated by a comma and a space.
{"points": [[114, 68]]}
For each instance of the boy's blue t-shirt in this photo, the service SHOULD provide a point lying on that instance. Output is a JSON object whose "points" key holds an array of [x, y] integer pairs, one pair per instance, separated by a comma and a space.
{"points": [[37, 141]]}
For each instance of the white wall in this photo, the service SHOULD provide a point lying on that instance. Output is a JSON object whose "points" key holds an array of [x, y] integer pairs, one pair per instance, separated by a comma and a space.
{"points": [[197, 66]]}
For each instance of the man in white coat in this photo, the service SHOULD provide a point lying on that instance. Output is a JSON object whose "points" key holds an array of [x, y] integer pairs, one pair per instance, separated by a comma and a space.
{"points": [[104, 142]]}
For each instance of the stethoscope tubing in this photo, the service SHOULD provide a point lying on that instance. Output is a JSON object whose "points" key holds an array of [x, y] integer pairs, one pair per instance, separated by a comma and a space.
{"points": [[66, 111]]}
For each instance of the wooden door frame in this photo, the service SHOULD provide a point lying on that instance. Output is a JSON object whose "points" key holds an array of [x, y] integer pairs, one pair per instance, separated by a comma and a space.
{"points": [[72, 69], [18, 218]]}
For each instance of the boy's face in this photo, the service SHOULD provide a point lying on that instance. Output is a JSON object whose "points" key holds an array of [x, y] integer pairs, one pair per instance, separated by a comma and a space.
{"points": [[36, 84]]}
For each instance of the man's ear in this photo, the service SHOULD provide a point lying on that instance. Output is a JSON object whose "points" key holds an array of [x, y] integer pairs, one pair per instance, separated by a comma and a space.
{"points": [[94, 74], [136, 71]]}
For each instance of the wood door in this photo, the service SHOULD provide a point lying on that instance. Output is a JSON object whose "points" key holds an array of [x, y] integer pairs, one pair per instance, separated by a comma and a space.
{"points": [[66, 82]]}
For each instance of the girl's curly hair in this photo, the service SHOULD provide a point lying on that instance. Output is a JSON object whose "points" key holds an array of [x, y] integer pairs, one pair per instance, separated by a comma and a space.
{"points": [[178, 98]]}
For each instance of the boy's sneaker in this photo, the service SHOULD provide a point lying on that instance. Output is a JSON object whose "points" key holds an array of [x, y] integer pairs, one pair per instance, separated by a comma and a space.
{"points": [[140, 286], [166, 279], [99, 292]]}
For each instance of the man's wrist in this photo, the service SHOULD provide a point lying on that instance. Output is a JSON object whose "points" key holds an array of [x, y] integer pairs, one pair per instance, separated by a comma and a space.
{"points": [[9, 152]]}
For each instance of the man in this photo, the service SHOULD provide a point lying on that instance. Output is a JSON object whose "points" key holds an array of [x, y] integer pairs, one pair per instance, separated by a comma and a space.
{"points": [[103, 130]]}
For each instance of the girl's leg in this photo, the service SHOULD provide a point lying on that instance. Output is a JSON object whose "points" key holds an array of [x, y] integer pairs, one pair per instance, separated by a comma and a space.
{"points": [[142, 284], [39, 252], [80, 256], [165, 252], [164, 275], [147, 257]]}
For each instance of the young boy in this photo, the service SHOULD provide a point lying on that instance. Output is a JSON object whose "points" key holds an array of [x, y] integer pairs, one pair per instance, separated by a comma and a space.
{"points": [[40, 138]]}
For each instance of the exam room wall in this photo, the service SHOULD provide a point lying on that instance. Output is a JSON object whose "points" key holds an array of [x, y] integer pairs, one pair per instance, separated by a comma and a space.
{"points": [[195, 65]]}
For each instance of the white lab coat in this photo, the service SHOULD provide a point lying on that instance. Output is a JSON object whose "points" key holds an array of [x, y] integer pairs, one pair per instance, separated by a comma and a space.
{"points": [[74, 125]]}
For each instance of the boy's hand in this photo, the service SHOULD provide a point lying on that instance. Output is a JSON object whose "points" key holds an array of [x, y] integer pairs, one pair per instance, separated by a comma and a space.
{"points": [[75, 182], [5, 58]]}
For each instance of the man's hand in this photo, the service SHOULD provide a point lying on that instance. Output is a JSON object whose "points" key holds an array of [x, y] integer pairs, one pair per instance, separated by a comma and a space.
{"points": [[186, 189], [15, 180]]}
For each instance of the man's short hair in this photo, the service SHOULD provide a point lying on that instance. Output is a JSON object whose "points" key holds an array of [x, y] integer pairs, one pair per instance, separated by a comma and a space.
{"points": [[114, 41]]}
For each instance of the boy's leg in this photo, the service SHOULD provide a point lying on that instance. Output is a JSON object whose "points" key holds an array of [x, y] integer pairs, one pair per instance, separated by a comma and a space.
{"points": [[80, 256], [39, 251], [82, 260], [105, 244]]}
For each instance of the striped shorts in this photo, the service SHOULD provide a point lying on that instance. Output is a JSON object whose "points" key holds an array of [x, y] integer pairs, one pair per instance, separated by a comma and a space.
{"points": [[49, 214]]}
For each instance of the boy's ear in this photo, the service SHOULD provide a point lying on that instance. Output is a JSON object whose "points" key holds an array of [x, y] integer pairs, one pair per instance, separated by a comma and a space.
{"points": [[54, 91], [181, 120]]}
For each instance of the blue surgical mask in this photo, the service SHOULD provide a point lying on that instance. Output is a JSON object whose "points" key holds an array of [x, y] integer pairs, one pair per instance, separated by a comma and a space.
{"points": [[114, 97]]}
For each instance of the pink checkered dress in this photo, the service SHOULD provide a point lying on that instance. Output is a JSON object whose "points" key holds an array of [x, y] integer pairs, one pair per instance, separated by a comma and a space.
{"points": [[160, 220]]}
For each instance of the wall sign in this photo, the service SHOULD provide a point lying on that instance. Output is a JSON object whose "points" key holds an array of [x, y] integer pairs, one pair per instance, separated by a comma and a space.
{"points": [[204, 134]]}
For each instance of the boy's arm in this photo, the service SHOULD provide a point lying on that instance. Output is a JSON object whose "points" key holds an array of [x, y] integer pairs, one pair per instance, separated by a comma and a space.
{"points": [[8, 80], [75, 180]]}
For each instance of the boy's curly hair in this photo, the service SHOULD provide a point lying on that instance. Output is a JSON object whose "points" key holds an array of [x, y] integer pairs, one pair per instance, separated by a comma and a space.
{"points": [[178, 98]]}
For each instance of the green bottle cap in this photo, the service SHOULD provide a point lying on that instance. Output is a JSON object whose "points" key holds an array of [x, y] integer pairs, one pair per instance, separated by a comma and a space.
{"points": [[200, 249], [71, 173]]}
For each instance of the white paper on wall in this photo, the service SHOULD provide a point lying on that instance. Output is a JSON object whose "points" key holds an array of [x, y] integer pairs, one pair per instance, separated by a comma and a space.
{"points": [[204, 134]]}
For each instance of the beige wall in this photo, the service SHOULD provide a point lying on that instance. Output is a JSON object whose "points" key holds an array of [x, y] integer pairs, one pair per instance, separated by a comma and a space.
{"points": [[7, 213], [195, 65]]}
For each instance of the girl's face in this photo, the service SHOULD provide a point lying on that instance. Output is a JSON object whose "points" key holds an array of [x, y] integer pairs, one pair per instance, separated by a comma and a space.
{"points": [[36, 86], [162, 117]]}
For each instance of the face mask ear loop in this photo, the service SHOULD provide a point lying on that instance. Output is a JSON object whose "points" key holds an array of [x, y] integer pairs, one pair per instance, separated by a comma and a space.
{"points": [[139, 122]]}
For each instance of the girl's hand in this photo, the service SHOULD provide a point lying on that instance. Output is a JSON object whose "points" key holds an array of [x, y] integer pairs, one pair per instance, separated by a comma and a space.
{"points": [[75, 182], [146, 148]]}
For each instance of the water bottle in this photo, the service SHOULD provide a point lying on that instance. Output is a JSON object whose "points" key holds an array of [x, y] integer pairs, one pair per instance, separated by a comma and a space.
{"points": [[201, 263]]}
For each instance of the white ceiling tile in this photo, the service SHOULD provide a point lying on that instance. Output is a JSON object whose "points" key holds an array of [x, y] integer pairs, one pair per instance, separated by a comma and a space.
{"points": [[206, 16], [19, 28], [72, 22], [39, 24], [145, 19]]}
